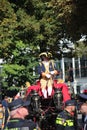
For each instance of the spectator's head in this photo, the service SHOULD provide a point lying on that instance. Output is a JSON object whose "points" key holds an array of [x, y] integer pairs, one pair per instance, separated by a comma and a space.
{"points": [[27, 84], [83, 108], [83, 103], [19, 108], [6, 98]]}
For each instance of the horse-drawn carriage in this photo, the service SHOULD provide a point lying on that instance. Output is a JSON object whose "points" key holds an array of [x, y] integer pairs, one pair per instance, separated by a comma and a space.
{"points": [[44, 110]]}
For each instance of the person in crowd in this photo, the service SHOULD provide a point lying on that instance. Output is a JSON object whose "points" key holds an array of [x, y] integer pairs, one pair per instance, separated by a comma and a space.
{"points": [[5, 104], [18, 112], [21, 93], [70, 74], [65, 119], [2, 116], [47, 71], [83, 109]]}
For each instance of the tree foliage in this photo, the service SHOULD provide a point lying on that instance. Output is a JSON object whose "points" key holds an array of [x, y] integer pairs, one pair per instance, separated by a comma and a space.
{"points": [[81, 49], [28, 27]]}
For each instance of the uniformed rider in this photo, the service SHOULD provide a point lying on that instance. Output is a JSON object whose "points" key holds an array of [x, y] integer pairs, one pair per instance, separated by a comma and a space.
{"points": [[65, 119], [83, 109], [47, 71], [18, 112]]}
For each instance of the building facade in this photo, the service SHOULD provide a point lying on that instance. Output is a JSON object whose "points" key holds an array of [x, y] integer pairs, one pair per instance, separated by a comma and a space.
{"points": [[75, 71]]}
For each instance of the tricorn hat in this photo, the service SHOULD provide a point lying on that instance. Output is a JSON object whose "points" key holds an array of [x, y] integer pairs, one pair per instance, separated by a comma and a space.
{"points": [[43, 54], [46, 54]]}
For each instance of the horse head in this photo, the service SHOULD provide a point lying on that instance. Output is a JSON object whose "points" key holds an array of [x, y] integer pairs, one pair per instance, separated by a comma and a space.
{"points": [[35, 101], [58, 98]]}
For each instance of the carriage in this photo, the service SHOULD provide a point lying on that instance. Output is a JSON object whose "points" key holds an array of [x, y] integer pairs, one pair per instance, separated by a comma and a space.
{"points": [[44, 110]]}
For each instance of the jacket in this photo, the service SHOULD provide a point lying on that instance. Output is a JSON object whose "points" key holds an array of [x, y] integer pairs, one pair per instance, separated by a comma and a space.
{"points": [[41, 68], [85, 123], [65, 121], [20, 124]]}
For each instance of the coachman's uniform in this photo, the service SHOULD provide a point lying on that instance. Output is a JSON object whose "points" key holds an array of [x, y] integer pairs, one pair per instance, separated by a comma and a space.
{"points": [[47, 67]]}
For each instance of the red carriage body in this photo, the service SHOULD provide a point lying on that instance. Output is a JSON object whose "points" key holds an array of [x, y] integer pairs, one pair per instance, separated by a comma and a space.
{"points": [[64, 89]]}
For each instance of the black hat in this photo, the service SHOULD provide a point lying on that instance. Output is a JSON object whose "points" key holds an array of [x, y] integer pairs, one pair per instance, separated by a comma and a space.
{"points": [[70, 103], [82, 99], [83, 96], [18, 103]]}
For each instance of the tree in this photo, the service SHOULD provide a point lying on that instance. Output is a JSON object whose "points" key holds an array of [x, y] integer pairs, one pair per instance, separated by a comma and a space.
{"points": [[28, 27], [71, 14], [16, 46], [81, 48]]}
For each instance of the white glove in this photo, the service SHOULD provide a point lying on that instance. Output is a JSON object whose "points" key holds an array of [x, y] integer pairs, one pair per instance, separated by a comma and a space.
{"points": [[48, 76], [52, 72]]}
